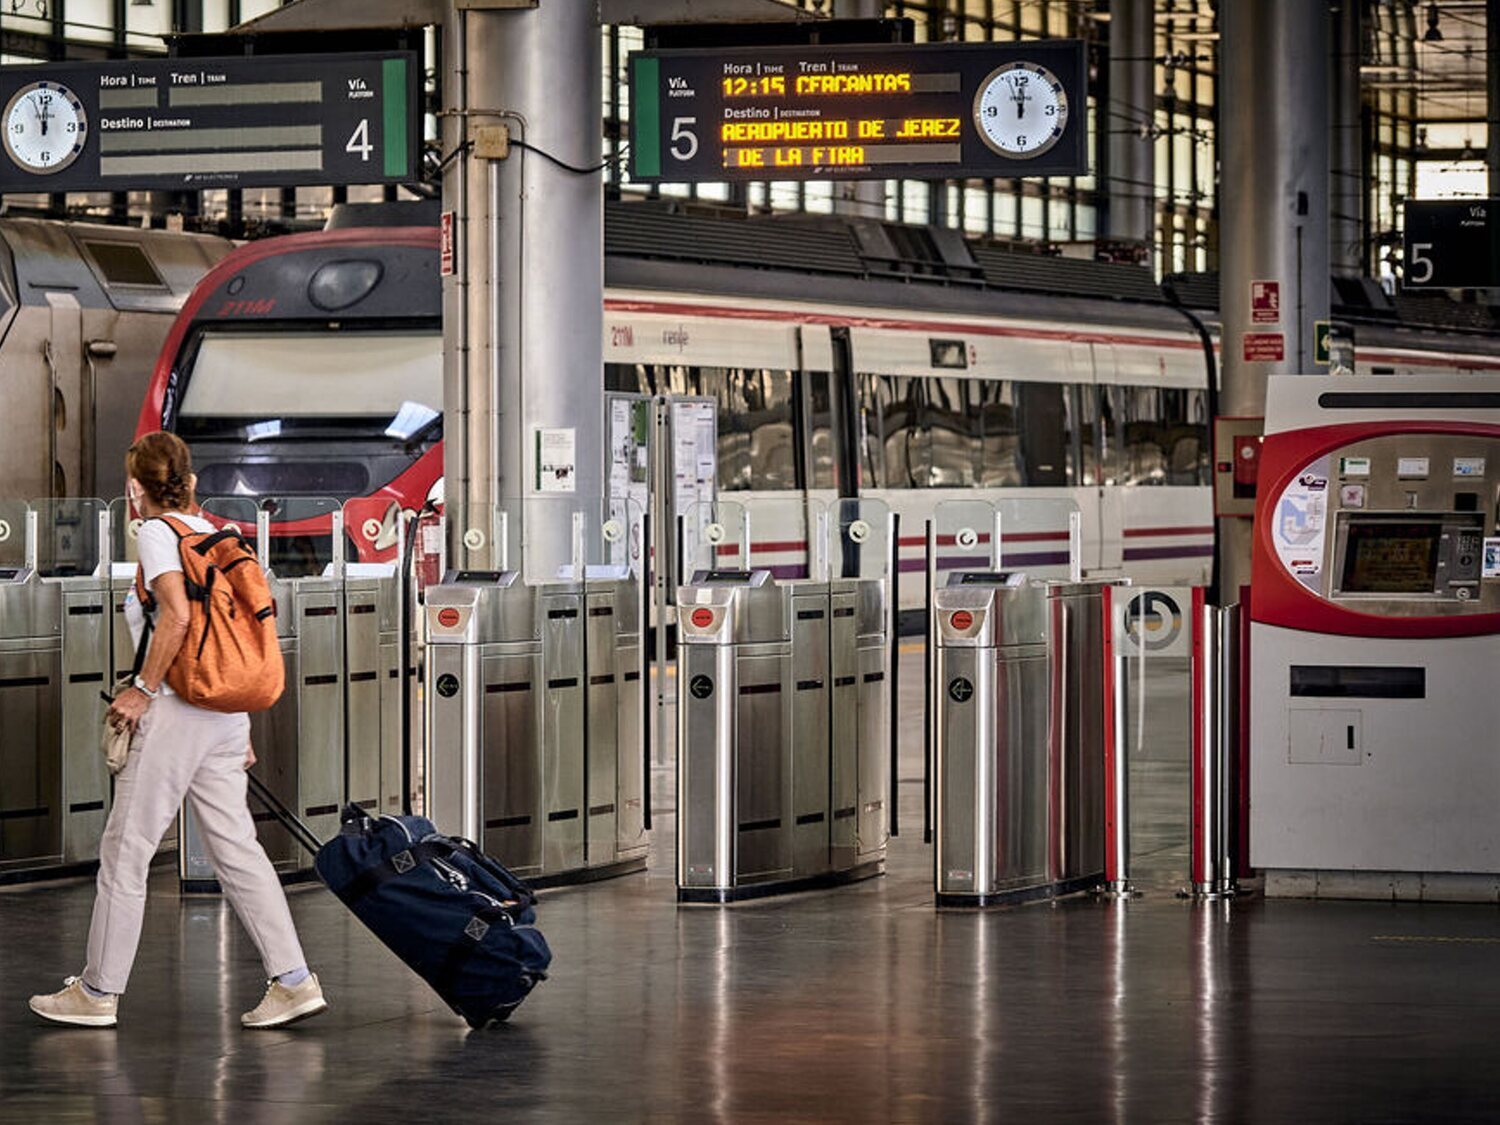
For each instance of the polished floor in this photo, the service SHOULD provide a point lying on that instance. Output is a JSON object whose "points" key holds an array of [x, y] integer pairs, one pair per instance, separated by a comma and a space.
{"points": [[861, 1004]]}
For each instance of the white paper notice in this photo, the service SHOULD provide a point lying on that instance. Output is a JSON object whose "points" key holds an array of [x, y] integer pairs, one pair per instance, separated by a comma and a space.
{"points": [[556, 460]]}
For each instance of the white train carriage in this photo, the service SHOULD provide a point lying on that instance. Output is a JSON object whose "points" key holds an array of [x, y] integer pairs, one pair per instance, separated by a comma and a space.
{"points": [[1113, 419]]}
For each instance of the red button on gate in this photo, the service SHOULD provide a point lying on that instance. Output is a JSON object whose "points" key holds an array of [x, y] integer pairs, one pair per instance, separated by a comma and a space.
{"points": [[448, 618], [962, 620], [703, 618]]}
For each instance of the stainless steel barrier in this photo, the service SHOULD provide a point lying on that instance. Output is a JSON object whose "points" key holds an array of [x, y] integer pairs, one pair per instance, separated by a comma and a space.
{"points": [[534, 740], [1213, 817], [991, 788], [1017, 689], [55, 643], [784, 713]]}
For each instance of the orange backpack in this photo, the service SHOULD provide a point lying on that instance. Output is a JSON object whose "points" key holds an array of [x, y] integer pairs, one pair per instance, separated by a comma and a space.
{"points": [[231, 659]]}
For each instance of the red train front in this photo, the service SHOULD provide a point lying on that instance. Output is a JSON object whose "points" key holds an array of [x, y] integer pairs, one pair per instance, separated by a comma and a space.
{"points": [[307, 372]]}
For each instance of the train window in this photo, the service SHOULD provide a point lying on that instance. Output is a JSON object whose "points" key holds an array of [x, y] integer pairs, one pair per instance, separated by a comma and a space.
{"points": [[952, 433], [124, 263], [1163, 435], [1096, 443], [821, 452], [756, 431], [897, 454], [631, 378], [997, 418], [1045, 435]]}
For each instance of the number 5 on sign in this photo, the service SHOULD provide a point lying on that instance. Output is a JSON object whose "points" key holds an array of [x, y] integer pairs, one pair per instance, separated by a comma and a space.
{"points": [[359, 140]]}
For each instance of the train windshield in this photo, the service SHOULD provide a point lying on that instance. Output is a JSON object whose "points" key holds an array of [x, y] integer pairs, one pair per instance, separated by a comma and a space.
{"points": [[262, 385], [326, 413]]}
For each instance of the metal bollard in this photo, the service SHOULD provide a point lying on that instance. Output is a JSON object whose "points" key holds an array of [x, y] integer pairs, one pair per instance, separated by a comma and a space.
{"points": [[1116, 764], [1215, 742]]}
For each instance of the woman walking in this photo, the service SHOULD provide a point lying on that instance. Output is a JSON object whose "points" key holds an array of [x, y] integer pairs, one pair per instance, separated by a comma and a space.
{"points": [[178, 751]]}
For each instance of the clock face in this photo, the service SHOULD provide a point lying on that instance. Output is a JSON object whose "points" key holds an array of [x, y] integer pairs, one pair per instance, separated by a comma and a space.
{"points": [[1021, 110], [45, 127]]}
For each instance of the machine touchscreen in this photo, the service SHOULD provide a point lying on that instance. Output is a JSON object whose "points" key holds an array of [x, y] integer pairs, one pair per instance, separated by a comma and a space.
{"points": [[1391, 557]]}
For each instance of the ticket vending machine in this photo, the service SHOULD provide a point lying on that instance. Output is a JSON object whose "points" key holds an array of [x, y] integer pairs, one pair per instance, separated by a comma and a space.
{"points": [[1375, 639]]}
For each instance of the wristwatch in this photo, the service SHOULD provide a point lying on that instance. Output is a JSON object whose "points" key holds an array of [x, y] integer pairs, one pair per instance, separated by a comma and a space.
{"points": [[140, 686]]}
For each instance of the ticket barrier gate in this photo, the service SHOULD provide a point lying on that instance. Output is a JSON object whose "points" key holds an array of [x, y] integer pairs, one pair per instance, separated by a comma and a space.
{"points": [[784, 720], [55, 635], [334, 736], [535, 742], [1017, 688]]}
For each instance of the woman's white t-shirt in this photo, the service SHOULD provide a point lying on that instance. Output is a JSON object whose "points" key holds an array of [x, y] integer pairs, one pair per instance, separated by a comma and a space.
{"points": [[156, 548]]}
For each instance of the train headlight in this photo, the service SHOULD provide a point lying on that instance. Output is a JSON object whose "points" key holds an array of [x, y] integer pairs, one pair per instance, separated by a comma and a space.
{"points": [[338, 285]]}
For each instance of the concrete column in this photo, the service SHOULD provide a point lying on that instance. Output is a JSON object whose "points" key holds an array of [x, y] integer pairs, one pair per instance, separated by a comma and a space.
{"points": [[1346, 196], [523, 336], [1131, 112], [1273, 197], [864, 199]]}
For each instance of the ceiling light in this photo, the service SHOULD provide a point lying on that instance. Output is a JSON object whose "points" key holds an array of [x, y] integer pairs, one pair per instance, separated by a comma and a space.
{"points": [[1432, 35]]}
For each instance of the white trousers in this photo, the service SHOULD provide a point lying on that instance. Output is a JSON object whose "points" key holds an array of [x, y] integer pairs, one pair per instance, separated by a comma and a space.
{"points": [[184, 752]]}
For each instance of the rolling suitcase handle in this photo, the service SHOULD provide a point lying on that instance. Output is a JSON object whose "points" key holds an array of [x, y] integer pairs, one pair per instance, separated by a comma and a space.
{"points": [[289, 820]]}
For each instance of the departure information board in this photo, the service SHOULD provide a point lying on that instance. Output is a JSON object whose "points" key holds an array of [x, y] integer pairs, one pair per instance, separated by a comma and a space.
{"points": [[1451, 244], [188, 124], [950, 111]]}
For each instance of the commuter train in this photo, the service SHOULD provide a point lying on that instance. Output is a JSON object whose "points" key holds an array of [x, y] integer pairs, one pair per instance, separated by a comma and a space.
{"points": [[310, 366], [84, 309]]}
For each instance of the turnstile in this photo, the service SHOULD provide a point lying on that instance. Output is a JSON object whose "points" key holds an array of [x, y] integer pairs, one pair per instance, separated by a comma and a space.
{"points": [[990, 794], [534, 710], [1018, 694], [55, 636], [783, 776]]}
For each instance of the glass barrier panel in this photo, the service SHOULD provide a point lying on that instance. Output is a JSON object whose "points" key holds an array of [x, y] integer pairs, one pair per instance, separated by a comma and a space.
{"points": [[123, 525], [714, 536], [301, 533], [372, 526], [859, 539], [1034, 534], [67, 537], [965, 534], [12, 533], [231, 511], [788, 537]]}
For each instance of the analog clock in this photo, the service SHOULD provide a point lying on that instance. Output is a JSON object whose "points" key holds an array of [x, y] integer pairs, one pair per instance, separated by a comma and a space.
{"points": [[1021, 110], [45, 127]]}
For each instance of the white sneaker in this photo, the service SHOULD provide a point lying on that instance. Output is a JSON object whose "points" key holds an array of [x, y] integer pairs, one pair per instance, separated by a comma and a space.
{"points": [[76, 1007], [282, 1005]]}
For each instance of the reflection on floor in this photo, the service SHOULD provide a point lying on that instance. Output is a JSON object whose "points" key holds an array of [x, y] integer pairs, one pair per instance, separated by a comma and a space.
{"points": [[862, 1004]]}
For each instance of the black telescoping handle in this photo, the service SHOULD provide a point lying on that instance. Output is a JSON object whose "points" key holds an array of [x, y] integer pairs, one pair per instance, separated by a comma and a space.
{"points": [[895, 676], [645, 665], [290, 821], [927, 700]]}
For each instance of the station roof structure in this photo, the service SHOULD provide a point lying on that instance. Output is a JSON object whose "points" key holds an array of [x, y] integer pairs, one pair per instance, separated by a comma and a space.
{"points": [[335, 15]]}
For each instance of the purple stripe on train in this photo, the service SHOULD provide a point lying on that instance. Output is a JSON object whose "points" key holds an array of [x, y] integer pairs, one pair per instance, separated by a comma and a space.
{"points": [[1204, 551]]}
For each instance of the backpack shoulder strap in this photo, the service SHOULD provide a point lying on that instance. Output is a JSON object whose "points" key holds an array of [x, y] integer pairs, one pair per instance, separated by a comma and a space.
{"points": [[179, 529]]}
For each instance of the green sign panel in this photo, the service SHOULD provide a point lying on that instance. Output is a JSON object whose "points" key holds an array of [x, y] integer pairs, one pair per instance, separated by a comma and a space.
{"points": [[1322, 342]]}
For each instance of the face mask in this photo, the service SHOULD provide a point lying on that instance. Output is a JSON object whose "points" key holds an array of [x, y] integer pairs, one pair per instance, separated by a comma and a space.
{"points": [[136, 495]]}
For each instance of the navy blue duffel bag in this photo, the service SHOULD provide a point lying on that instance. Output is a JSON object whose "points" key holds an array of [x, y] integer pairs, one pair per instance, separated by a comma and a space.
{"points": [[461, 921]]}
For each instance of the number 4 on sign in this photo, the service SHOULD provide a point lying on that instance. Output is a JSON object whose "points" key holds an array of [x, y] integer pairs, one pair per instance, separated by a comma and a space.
{"points": [[359, 140]]}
